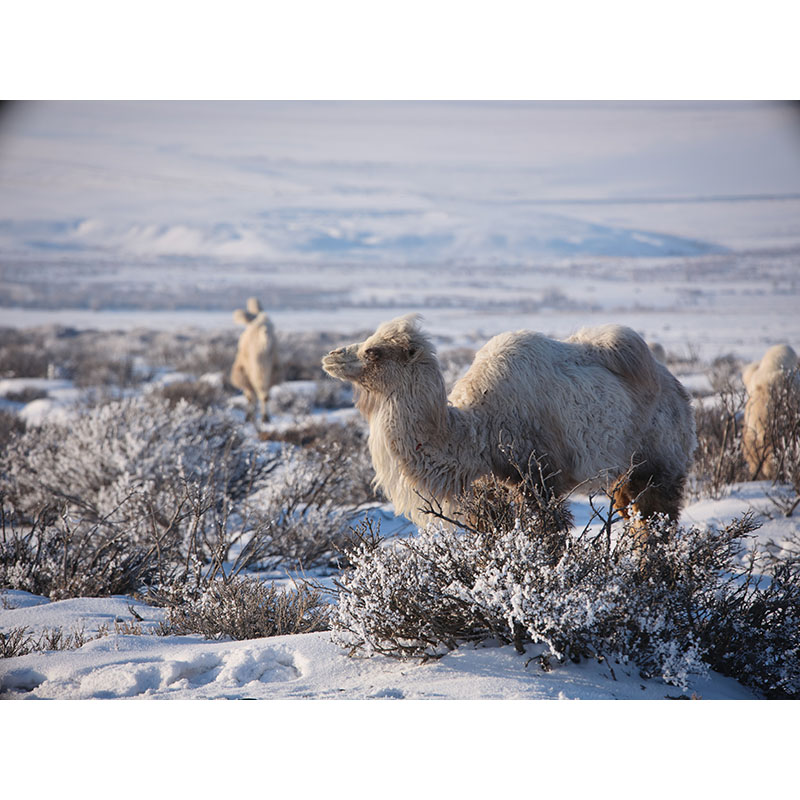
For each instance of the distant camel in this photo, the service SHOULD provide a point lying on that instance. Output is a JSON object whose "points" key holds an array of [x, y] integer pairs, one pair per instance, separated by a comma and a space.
{"points": [[657, 349], [760, 378], [589, 406], [256, 364]]}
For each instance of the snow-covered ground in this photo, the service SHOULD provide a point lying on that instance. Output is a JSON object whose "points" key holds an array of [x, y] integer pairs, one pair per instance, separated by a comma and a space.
{"points": [[304, 666], [145, 666], [681, 220]]}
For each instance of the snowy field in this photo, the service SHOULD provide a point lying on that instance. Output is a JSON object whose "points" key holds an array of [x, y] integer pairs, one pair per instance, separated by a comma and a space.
{"points": [[680, 220], [309, 666]]}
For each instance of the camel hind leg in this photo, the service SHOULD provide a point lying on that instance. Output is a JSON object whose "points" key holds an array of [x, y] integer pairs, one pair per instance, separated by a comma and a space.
{"points": [[240, 380], [263, 398]]}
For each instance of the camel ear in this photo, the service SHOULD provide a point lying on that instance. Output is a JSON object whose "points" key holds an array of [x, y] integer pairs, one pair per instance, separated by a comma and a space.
{"points": [[413, 352]]}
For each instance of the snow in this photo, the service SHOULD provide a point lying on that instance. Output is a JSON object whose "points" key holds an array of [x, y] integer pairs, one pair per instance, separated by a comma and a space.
{"points": [[147, 666], [418, 181], [309, 666], [681, 220]]}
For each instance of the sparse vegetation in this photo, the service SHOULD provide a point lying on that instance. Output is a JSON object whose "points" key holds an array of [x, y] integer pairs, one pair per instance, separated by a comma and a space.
{"points": [[58, 555], [674, 602], [11, 426], [19, 641], [138, 463], [23, 354], [718, 459], [202, 394], [239, 608], [165, 496], [782, 441]]}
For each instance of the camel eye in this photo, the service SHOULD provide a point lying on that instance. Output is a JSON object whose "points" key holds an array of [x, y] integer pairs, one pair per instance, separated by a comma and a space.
{"points": [[373, 353]]}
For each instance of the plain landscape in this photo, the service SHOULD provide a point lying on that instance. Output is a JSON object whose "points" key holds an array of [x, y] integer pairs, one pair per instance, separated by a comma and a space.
{"points": [[158, 543]]}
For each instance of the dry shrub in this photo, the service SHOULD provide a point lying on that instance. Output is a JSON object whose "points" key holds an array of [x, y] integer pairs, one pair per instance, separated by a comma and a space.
{"points": [[165, 474], [58, 555], [300, 399], [673, 602], [332, 394], [22, 354], [300, 353], [202, 353], [782, 440], [98, 368], [306, 433], [11, 426], [19, 642], [239, 608], [454, 362], [304, 514], [718, 459], [725, 373], [26, 395], [202, 394], [286, 398]]}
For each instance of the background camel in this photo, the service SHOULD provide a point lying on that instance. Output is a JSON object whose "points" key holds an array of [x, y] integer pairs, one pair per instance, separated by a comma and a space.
{"points": [[255, 367], [589, 406], [760, 379]]}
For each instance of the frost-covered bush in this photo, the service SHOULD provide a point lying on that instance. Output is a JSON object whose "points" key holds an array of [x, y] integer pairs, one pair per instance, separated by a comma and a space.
{"points": [[331, 394], [672, 605], [342, 446], [22, 354], [59, 556], [240, 608], [718, 459], [782, 439], [202, 394], [454, 363], [751, 631], [11, 426], [166, 474], [304, 513]]}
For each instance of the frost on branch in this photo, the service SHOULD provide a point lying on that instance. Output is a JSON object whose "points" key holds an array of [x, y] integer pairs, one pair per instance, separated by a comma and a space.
{"points": [[664, 605], [164, 473]]}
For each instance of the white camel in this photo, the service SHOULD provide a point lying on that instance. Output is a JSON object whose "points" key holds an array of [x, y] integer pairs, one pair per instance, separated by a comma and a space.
{"points": [[590, 406], [760, 378], [255, 367]]}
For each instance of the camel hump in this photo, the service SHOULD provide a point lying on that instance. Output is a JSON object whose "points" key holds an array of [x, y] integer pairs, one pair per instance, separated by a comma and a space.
{"points": [[622, 351], [780, 358]]}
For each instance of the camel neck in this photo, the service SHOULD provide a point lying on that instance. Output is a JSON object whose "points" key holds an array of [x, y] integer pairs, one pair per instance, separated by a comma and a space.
{"points": [[432, 443]]}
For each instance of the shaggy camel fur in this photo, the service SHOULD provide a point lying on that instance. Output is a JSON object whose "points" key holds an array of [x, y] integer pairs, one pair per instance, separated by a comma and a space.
{"points": [[589, 407], [256, 363], [760, 377]]}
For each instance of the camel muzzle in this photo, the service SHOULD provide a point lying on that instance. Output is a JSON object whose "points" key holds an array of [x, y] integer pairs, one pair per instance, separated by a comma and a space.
{"points": [[343, 364]]}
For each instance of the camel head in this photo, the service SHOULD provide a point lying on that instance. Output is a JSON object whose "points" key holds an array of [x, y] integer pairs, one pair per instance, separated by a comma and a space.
{"points": [[385, 360], [245, 317]]}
